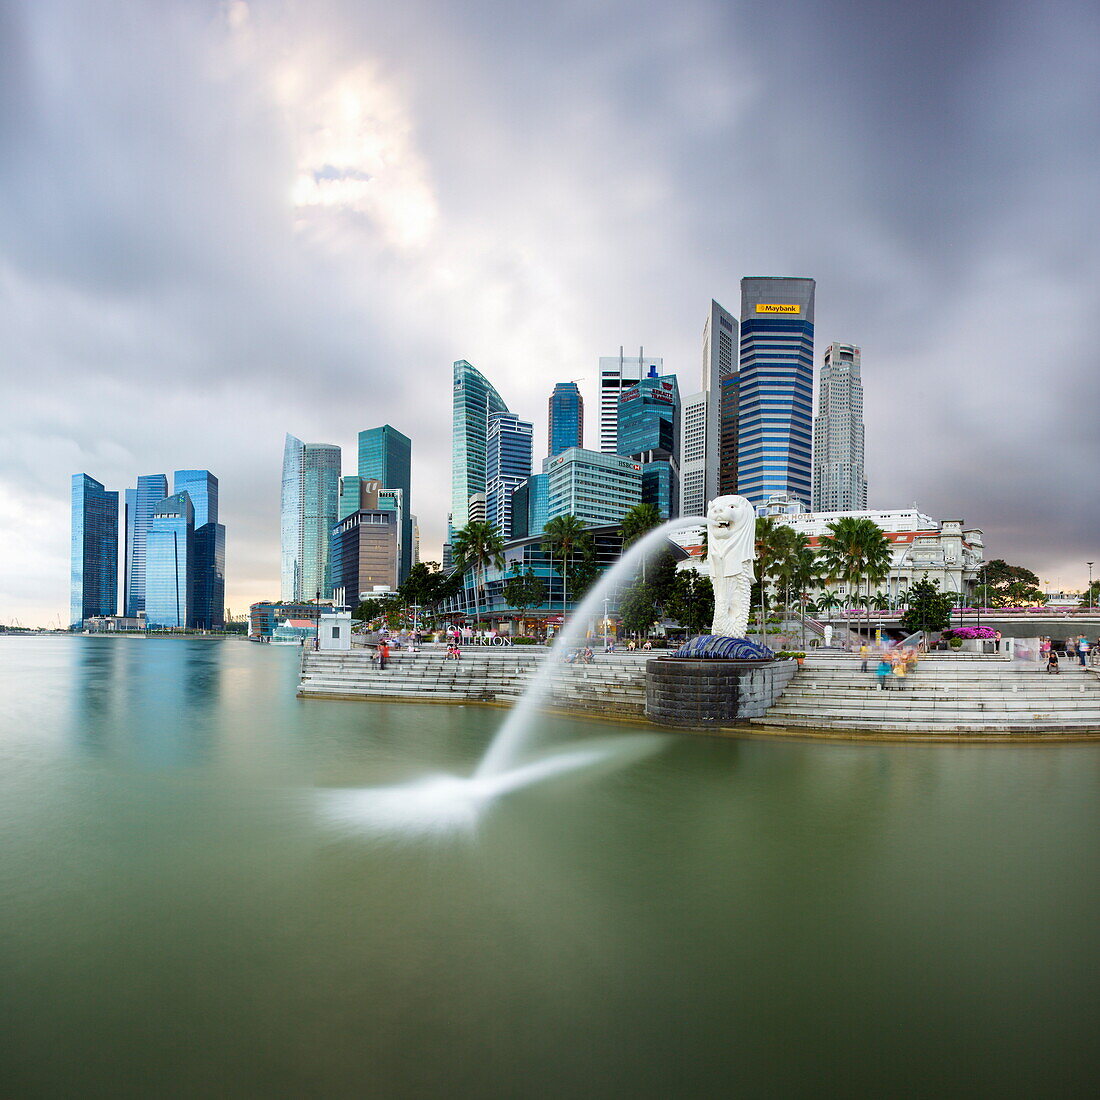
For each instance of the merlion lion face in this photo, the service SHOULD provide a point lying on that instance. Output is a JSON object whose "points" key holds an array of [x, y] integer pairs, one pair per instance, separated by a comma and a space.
{"points": [[727, 515]]}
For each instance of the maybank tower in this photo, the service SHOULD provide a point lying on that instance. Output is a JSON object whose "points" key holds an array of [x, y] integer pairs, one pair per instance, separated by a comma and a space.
{"points": [[775, 402]]}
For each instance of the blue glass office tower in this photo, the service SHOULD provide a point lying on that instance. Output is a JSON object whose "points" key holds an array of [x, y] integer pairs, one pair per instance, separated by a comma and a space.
{"points": [[775, 398], [474, 399], [530, 506], [93, 581], [566, 418], [310, 503], [169, 563], [649, 433], [150, 491], [507, 466], [202, 487], [385, 455], [208, 560]]}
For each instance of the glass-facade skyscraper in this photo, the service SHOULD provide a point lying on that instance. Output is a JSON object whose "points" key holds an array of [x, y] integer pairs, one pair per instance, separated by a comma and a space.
{"points": [[385, 455], [507, 466], [530, 507], [618, 373], [474, 400], [93, 580], [775, 400], [566, 424], [839, 481], [202, 487], [208, 559], [151, 489], [310, 504], [169, 563], [649, 430]]}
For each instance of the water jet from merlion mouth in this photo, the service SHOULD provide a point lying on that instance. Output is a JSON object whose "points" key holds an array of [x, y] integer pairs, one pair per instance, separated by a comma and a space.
{"points": [[506, 749], [439, 802]]}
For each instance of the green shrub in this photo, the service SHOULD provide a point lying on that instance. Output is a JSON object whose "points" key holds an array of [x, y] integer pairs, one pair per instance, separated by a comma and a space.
{"points": [[523, 639]]}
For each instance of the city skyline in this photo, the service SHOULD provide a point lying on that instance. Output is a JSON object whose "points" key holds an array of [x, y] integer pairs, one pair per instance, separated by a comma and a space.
{"points": [[273, 240]]}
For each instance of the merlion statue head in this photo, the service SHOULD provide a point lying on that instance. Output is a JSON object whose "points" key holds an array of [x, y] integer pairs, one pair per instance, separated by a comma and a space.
{"points": [[731, 533], [728, 517]]}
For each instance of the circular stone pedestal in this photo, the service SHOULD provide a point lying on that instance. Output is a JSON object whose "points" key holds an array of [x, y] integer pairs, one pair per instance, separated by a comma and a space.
{"points": [[687, 694]]}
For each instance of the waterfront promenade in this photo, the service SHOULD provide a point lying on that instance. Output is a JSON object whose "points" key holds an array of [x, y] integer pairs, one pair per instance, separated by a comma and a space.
{"points": [[948, 695]]}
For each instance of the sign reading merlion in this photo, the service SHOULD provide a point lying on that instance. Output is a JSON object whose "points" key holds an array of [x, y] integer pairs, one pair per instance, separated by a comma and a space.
{"points": [[731, 550]]}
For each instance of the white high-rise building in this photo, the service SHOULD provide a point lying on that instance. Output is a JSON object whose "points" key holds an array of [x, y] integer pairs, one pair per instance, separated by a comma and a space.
{"points": [[693, 454], [701, 414], [618, 373], [839, 482]]}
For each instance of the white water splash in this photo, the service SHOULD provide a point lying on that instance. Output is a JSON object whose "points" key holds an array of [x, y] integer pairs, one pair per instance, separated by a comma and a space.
{"points": [[449, 803]]}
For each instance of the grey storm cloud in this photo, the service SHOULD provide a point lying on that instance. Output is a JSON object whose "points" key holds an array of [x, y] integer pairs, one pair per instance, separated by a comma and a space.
{"points": [[220, 222]]}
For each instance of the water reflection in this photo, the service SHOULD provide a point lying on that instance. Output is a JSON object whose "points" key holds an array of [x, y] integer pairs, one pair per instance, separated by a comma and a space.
{"points": [[150, 703]]}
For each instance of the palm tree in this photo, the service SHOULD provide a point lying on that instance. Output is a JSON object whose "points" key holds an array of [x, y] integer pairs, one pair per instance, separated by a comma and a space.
{"points": [[565, 536], [478, 545], [772, 539], [855, 548], [641, 519]]}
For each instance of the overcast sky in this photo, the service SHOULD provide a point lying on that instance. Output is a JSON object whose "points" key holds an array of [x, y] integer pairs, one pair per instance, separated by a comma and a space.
{"points": [[220, 222]]}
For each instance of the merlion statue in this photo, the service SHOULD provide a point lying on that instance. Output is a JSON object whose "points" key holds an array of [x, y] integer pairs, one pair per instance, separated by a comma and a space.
{"points": [[731, 550]]}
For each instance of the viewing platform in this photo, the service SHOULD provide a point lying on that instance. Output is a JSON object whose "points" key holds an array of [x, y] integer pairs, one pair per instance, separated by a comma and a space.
{"points": [[947, 696]]}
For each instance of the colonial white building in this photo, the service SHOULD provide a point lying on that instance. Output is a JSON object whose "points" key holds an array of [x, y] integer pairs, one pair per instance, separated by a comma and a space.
{"points": [[943, 551]]}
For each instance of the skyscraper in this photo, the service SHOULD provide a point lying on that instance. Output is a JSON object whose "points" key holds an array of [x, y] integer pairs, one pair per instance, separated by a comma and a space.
{"points": [[727, 443], [693, 453], [93, 581], [385, 456], [169, 563], [507, 466], [596, 488], [566, 427], [150, 491], [310, 498], [474, 399], [618, 373], [839, 482], [719, 364], [202, 487], [775, 402], [530, 506], [649, 430], [365, 546], [208, 558]]}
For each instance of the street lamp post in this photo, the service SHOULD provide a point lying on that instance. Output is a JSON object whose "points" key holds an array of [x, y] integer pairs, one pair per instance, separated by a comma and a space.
{"points": [[1089, 564], [606, 600]]}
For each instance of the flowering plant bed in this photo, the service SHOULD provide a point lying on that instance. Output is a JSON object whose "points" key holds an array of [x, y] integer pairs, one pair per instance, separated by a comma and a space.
{"points": [[969, 632]]}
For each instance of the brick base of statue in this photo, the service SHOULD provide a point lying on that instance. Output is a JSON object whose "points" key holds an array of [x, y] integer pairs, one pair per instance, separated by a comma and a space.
{"points": [[713, 682]]}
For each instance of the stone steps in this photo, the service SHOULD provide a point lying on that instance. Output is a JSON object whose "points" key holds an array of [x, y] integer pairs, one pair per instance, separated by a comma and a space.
{"points": [[611, 687]]}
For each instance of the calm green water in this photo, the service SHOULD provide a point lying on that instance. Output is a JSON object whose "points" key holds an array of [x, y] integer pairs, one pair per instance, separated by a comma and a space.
{"points": [[718, 918]]}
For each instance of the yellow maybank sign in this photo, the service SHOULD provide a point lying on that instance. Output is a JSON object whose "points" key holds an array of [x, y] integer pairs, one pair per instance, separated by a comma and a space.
{"points": [[776, 307]]}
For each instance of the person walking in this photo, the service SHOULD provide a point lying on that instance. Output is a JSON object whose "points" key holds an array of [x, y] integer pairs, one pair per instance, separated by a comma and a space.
{"points": [[863, 657], [383, 655], [1083, 648], [882, 672]]}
